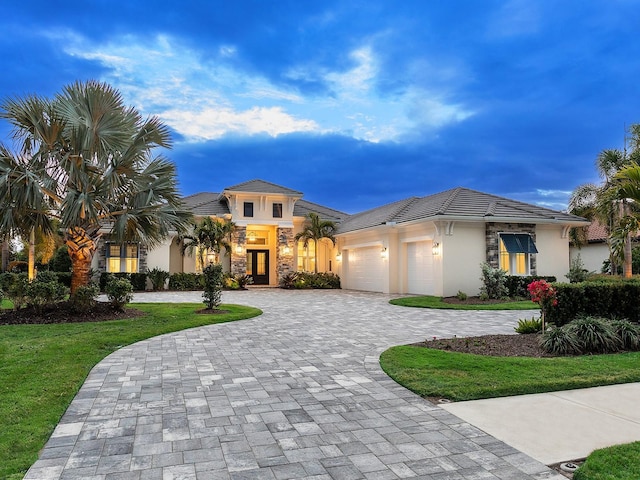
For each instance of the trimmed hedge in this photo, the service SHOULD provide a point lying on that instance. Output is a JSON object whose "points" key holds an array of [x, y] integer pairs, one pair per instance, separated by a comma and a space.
{"points": [[186, 281], [517, 285], [138, 280], [599, 299]]}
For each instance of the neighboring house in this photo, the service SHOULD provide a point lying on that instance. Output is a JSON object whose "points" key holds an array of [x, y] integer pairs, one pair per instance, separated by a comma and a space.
{"points": [[595, 251], [423, 245]]}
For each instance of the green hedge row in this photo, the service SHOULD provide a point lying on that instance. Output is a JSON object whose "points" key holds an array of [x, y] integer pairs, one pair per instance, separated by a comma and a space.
{"points": [[518, 285], [618, 300]]}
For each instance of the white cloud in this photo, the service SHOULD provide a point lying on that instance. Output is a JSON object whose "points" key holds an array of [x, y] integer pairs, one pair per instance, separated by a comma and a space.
{"points": [[206, 99]]}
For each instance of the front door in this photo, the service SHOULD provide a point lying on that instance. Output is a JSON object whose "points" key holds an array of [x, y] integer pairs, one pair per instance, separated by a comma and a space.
{"points": [[258, 266]]}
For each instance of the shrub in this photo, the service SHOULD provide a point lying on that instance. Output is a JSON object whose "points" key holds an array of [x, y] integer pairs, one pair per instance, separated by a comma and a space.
{"points": [[243, 280], [560, 341], [158, 278], [1, 295], [596, 335], [212, 294], [517, 284], [461, 296], [628, 333], [229, 282], [61, 261], [119, 292], [105, 277], [577, 272], [493, 282], [46, 276], [526, 325], [84, 298], [64, 278], [138, 281], [186, 281], [302, 280], [14, 286], [288, 281], [44, 293]]}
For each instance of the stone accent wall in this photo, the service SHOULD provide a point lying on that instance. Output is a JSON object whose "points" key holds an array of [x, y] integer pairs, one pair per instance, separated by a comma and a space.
{"points": [[239, 261], [100, 254], [493, 244], [284, 261]]}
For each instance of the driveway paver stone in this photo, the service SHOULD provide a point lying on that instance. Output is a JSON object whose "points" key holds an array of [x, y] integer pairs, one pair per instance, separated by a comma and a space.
{"points": [[294, 393]]}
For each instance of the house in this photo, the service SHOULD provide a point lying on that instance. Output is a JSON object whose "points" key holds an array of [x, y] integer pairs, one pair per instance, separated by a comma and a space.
{"points": [[596, 249], [421, 245]]}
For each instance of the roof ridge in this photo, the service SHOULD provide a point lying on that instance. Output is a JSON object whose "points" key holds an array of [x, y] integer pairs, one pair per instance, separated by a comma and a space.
{"points": [[407, 202], [323, 206], [447, 203], [240, 185]]}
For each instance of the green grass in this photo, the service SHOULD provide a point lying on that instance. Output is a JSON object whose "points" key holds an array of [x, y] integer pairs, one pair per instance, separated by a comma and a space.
{"points": [[460, 376], [620, 462], [43, 366], [428, 301]]}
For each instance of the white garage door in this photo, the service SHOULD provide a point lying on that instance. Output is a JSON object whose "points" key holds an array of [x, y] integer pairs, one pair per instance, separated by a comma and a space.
{"points": [[365, 269], [419, 268]]}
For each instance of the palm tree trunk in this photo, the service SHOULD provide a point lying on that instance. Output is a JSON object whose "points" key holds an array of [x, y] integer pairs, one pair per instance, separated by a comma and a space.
{"points": [[315, 263], [32, 254], [81, 249], [628, 257], [5, 254]]}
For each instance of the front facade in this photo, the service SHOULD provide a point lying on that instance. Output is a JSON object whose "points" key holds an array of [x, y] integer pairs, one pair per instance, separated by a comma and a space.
{"points": [[431, 245]]}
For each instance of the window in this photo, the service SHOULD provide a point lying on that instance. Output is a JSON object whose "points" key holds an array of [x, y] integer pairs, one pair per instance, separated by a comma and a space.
{"points": [[248, 209], [306, 256], [515, 252], [122, 258], [277, 210]]}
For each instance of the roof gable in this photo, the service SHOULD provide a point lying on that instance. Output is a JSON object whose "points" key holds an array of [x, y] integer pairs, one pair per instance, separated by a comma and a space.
{"points": [[260, 186]]}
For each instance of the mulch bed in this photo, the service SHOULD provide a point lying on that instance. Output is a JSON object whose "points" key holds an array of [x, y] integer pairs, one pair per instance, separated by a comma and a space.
{"points": [[524, 345], [64, 313]]}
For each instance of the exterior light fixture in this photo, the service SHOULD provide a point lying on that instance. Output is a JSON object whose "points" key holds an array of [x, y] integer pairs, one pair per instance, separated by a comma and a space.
{"points": [[435, 249], [339, 257], [384, 253], [238, 249], [286, 250]]}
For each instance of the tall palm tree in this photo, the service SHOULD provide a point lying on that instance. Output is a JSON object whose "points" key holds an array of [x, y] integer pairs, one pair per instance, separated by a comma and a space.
{"points": [[86, 160], [208, 236], [626, 188], [316, 229]]}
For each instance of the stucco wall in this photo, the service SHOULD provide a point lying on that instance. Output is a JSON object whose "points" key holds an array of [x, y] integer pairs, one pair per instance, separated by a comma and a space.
{"points": [[462, 253], [553, 252], [160, 256], [592, 255]]}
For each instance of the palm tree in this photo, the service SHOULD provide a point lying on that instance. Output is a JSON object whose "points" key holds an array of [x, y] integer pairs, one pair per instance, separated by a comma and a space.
{"points": [[86, 160], [599, 202], [316, 229], [208, 236], [626, 189]]}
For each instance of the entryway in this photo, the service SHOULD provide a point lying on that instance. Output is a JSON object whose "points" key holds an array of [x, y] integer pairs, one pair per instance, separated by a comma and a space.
{"points": [[258, 266]]}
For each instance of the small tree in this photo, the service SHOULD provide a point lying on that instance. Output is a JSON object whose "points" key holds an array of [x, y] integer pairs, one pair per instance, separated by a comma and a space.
{"points": [[543, 293], [577, 272], [494, 282], [119, 292], [213, 277], [316, 229]]}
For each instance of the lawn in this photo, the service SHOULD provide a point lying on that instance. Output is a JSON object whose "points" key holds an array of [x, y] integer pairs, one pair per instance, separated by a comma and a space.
{"points": [[460, 376], [428, 301], [620, 462], [43, 366]]}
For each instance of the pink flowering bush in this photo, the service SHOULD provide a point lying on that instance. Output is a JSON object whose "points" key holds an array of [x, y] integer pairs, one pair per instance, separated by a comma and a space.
{"points": [[543, 293]]}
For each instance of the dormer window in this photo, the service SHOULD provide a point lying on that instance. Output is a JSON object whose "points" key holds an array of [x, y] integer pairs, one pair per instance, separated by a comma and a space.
{"points": [[277, 210], [248, 209]]}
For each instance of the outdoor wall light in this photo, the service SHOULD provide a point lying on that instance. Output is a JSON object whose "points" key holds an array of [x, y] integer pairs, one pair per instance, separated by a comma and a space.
{"points": [[286, 250], [435, 249], [339, 257], [239, 249], [383, 252]]}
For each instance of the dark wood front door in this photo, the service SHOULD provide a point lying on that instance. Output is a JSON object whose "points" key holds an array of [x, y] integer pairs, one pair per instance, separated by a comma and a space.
{"points": [[258, 266]]}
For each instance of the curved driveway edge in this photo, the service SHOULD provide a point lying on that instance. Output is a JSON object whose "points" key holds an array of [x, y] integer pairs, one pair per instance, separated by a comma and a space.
{"points": [[294, 393]]}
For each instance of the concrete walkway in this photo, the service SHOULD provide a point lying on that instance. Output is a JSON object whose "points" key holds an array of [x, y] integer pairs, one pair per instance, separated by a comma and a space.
{"points": [[295, 393]]}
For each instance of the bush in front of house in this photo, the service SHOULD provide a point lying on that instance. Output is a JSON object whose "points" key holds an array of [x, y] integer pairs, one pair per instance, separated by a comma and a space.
{"points": [[529, 325], [517, 285], [302, 280], [212, 294], [138, 281], [186, 281], [45, 291], [599, 299], [494, 282], [119, 292], [158, 278], [14, 286]]}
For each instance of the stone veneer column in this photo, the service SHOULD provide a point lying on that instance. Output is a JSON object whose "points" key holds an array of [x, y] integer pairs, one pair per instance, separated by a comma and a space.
{"points": [[493, 244], [284, 261], [239, 260]]}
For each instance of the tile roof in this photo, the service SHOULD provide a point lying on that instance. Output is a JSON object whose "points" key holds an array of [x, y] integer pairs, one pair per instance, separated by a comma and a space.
{"points": [[302, 208], [206, 204], [260, 186], [458, 203]]}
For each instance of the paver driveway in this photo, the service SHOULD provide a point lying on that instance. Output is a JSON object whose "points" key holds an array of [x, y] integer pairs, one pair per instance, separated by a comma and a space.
{"points": [[295, 393]]}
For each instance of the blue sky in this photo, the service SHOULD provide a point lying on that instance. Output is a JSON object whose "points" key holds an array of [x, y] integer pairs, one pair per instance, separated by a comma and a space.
{"points": [[355, 103]]}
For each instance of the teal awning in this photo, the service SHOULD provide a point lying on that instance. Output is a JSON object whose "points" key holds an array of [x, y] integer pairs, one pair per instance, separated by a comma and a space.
{"points": [[518, 243]]}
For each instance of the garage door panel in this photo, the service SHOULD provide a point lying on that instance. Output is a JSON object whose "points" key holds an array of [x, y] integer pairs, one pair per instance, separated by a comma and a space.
{"points": [[365, 269], [420, 268]]}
